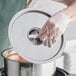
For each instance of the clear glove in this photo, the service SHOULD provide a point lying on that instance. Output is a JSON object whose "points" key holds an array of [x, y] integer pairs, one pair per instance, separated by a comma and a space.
{"points": [[54, 28]]}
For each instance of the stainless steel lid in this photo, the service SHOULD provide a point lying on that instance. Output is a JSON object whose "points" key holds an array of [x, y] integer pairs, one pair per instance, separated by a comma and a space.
{"points": [[24, 28]]}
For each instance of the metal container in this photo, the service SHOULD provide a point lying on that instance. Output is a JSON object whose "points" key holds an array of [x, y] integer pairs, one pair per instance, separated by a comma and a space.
{"points": [[14, 68]]}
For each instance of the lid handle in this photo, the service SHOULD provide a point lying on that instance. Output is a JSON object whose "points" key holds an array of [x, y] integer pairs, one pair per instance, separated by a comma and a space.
{"points": [[33, 36]]}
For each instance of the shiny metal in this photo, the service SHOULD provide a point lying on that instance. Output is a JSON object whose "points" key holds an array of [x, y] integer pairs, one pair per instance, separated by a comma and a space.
{"points": [[2, 73], [33, 34], [14, 68]]}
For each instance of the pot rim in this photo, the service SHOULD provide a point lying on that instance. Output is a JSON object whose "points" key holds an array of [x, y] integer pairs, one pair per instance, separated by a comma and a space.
{"points": [[2, 54]]}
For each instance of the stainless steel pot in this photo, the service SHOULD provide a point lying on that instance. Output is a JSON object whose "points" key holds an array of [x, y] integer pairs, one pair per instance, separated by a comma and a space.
{"points": [[14, 68]]}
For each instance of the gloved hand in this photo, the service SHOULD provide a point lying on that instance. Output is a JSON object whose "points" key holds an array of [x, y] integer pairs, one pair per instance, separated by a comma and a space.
{"points": [[54, 28]]}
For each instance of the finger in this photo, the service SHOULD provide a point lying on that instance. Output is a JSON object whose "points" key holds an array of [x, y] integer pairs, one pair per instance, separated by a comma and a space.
{"points": [[50, 28], [47, 28], [42, 31], [57, 34], [52, 34], [53, 40], [43, 37], [41, 34], [50, 37], [49, 42], [45, 42]]}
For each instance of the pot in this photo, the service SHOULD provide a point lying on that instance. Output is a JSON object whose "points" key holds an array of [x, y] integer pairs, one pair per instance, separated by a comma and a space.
{"points": [[16, 68]]}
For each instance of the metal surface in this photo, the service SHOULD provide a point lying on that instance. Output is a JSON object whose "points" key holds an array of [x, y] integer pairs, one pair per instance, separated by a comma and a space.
{"points": [[14, 68], [61, 72], [2, 73], [33, 36], [58, 72], [19, 27]]}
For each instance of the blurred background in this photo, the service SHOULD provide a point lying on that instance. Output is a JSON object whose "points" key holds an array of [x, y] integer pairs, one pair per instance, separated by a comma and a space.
{"points": [[8, 8]]}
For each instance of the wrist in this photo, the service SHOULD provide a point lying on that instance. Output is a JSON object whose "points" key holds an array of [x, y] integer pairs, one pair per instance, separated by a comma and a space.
{"points": [[68, 12]]}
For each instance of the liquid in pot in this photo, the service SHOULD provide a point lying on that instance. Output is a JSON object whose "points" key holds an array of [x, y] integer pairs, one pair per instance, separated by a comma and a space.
{"points": [[15, 56]]}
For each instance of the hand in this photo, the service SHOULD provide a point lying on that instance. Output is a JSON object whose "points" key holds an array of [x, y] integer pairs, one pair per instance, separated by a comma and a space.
{"points": [[53, 28], [49, 33]]}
